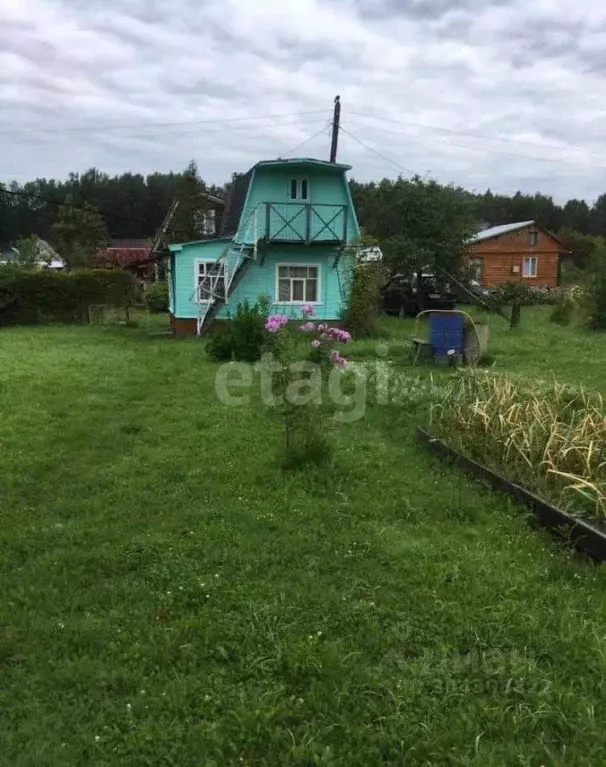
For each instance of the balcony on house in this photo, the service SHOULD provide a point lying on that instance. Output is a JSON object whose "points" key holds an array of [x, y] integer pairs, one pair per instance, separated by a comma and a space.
{"points": [[304, 222]]}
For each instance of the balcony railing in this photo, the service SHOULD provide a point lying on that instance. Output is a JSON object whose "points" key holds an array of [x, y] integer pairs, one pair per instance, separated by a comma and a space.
{"points": [[305, 222]]}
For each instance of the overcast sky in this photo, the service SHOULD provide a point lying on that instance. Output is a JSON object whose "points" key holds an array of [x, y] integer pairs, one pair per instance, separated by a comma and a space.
{"points": [[506, 94]]}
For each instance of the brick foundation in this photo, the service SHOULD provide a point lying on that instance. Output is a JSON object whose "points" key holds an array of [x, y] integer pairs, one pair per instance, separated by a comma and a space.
{"points": [[183, 327]]}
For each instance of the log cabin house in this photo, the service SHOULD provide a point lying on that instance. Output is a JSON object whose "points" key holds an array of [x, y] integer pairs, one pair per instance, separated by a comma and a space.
{"points": [[522, 252]]}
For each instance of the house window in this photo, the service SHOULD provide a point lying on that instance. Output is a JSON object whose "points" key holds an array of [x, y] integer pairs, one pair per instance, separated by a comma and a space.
{"points": [[533, 237], [209, 222], [210, 280], [476, 268], [299, 189], [530, 267], [298, 284]]}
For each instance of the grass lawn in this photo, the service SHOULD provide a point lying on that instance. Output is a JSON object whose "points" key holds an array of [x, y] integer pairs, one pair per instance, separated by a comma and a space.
{"points": [[170, 596]]}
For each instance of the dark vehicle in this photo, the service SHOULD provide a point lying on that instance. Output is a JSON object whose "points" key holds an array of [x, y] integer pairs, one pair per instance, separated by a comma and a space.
{"points": [[406, 297]]}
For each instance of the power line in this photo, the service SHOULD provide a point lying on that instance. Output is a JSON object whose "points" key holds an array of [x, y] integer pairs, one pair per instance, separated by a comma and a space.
{"points": [[186, 122], [478, 148], [478, 135], [45, 140], [85, 206], [379, 154], [307, 140]]}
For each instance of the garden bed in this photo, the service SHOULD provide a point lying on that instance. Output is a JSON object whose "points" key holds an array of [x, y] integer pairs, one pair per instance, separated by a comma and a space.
{"points": [[588, 537]]}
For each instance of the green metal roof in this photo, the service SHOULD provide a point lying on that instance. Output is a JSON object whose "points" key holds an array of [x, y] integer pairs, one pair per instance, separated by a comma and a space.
{"points": [[303, 161]]}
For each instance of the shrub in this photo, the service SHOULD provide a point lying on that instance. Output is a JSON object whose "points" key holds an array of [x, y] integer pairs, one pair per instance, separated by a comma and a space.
{"points": [[35, 297], [156, 297], [563, 312], [362, 303], [300, 389], [244, 338], [220, 346], [595, 293], [248, 331]]}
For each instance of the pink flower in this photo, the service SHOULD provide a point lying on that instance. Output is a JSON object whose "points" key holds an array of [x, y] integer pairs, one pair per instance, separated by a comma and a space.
{"points": [[336, 334], [337, 360], [315, 343], [308, 310], [308, 327], [275, 322]]}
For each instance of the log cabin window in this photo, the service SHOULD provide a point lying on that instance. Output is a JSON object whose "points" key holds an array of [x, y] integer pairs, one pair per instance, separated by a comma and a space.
{"points": [[297, 284], [299, 189], [533, 237], [530, 267], [476, 268]]}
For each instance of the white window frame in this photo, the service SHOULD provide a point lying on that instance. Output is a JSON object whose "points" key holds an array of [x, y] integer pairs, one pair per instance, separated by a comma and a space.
{"points": [[528, 273], [299, 182], [197, 263], [209, 222], [298, 303], [476, 265]]}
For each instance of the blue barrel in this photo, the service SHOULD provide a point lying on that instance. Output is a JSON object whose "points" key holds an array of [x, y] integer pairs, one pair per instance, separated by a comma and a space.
{"points": [[446, 333]]}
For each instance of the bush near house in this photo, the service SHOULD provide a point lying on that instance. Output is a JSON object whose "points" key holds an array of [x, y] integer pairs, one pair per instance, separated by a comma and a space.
{"points": [[32, 298], [156, 297], [595, 292], [244, 338]]}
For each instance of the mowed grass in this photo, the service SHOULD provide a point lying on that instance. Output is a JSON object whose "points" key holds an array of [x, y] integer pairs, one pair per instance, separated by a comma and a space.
{"points": [[170, 596]]}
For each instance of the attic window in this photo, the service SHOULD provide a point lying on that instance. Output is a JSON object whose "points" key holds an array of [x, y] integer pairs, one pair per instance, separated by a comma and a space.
{"points": [[534, 237], [298, 189]]}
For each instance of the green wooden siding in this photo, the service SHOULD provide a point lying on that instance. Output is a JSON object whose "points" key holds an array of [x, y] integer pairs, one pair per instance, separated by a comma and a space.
{"points": [[260, 278], [328, 192], [329, 197]]}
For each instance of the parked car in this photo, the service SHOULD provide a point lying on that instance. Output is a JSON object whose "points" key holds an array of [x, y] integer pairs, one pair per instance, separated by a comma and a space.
{"points": [[406, 297]]}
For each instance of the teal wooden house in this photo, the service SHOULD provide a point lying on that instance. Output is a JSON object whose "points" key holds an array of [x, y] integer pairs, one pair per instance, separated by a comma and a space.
{"points": [[284, 233]]}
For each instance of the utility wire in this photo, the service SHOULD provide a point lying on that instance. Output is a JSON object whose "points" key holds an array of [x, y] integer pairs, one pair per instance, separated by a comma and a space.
{"points": [[307, 140], [478, 135], [406, 171], [33, 140], [478, 148], [161, 124], [85, 206]]}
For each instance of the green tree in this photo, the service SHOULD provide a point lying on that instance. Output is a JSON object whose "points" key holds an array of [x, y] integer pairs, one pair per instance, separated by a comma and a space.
{"points": [[595, 291], [78, 235], [187, 223], [420, 225], [580, 247]]}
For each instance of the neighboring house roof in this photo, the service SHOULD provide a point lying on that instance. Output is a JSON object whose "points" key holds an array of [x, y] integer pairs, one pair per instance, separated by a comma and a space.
{"points": [[8, 253], [211, 198], [49, 256], [495, 231], [370, 255]]}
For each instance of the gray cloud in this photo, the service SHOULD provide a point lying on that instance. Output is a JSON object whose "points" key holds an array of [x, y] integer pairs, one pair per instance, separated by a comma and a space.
{"points": [[173, 76]]}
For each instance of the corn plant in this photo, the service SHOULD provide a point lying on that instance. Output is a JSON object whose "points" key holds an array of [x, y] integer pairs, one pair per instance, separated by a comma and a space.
{"points": [[548, 436]]}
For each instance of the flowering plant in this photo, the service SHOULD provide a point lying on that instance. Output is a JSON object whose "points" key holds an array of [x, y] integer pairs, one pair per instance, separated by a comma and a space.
{"points": [[300, 383], [325, 336]]}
